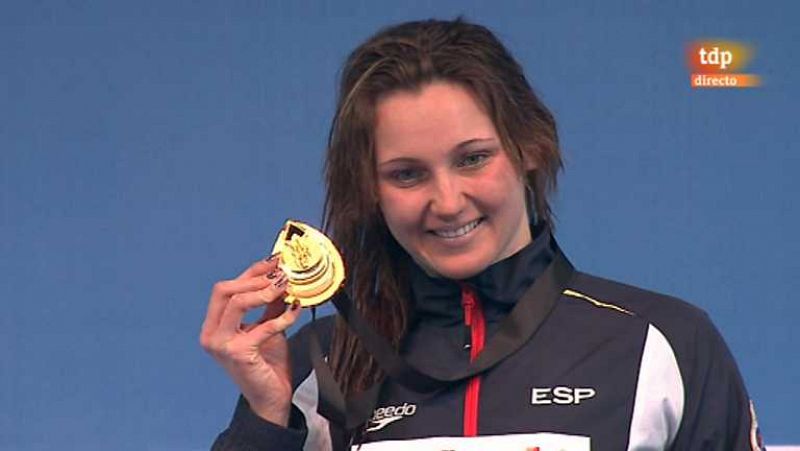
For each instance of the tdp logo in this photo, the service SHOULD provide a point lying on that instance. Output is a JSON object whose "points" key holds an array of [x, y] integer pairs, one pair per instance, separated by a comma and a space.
{"points": [[716, 57], [718, 64]]}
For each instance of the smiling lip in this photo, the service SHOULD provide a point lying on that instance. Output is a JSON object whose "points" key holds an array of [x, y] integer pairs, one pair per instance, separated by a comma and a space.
{"points": [[457, 232]]}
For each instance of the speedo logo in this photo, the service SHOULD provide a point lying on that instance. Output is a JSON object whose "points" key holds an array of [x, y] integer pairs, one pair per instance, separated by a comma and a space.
{"points": [[561, 395], [383, 416]]}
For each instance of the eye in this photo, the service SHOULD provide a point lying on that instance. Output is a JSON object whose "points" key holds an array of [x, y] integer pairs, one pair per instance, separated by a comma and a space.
{"points": [[406, 176], [474, 159]]}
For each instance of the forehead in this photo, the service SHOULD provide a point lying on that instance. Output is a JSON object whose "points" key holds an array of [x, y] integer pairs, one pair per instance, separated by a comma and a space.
{"points": [[433, 119]]}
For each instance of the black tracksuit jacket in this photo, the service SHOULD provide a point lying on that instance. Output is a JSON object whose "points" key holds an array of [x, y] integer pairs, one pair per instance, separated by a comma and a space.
{"points": [[613, 367]]}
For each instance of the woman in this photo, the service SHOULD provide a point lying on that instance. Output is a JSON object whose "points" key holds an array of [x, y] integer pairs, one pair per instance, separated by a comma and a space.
{"points": [[439, 166]]}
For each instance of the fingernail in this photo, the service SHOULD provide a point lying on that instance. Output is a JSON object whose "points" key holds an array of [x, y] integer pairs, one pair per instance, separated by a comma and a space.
{"points": [[281, 282], [296, 304], [272, 257], [273, 274]]}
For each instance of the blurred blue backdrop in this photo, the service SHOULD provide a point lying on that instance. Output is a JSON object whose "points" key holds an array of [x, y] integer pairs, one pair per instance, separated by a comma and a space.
{"points": [[148, 149]]}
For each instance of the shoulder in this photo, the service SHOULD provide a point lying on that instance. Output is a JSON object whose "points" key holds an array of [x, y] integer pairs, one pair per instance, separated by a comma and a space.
{"points": [[687, 330], [682, 342], [707, 394], [671, 315]]}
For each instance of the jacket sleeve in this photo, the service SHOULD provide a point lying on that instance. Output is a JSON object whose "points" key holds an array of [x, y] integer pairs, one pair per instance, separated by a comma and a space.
{"points": [[718, 413], [249, 432]]}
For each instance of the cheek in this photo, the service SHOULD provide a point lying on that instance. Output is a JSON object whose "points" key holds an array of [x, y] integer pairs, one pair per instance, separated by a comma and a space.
{"points": [[399, 210], [502, 190], [500, 207]]}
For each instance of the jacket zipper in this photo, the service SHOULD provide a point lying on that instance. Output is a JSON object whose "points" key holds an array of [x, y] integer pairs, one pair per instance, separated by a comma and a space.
{"points": [[474, 320]]}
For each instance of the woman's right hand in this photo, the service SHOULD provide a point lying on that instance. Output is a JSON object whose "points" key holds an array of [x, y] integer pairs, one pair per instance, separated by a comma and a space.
{"points": [[256, 356]]}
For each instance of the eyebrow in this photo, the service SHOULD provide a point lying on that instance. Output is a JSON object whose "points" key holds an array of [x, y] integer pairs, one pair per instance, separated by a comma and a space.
{"points": [[456, 148]]}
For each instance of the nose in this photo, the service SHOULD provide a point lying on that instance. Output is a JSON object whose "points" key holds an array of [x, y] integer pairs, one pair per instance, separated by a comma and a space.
{"points": [[447, 197]]}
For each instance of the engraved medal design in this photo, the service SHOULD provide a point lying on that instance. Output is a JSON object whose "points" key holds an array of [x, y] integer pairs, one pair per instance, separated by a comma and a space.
{"points": [[310, 261]]}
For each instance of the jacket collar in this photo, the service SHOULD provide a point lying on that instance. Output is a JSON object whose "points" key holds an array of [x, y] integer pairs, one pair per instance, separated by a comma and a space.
{"points": [[499, 286]]}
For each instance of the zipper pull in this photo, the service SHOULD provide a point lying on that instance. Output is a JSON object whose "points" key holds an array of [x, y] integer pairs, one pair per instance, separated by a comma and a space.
{"points": [[468, 304]]}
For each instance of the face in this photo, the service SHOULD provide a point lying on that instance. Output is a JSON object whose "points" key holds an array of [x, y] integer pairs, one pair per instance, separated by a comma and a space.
{"points": [[447, 189]]}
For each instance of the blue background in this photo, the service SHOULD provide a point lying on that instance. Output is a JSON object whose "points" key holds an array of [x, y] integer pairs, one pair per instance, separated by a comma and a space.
{"points": [[148, 149]]}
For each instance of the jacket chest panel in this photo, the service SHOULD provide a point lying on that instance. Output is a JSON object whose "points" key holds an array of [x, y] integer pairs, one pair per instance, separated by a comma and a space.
{"points": [[574, 377]]}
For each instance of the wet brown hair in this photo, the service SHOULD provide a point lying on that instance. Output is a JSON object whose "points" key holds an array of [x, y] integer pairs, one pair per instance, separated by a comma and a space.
{"points": [[407, 57]]}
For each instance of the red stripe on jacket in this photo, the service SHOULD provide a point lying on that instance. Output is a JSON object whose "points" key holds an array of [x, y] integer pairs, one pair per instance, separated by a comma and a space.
{"points": [[473, 318]]}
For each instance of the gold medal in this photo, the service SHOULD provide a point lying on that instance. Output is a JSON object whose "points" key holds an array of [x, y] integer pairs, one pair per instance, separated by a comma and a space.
{"points": [[310, 261]]}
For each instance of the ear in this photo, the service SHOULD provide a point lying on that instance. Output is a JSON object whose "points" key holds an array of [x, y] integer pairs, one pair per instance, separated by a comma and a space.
{"points": [[528, 162]]}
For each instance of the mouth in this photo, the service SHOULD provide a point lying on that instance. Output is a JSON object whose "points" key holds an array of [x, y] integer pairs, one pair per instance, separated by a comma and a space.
{"points": [[457, 232]]}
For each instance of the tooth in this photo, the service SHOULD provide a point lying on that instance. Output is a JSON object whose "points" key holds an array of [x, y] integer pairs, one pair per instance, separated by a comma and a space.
{"points": [[463, 230]]}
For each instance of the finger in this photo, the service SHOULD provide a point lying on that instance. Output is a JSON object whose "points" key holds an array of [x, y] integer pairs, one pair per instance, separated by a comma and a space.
{"points": [[241, 303], [273, 310], [221, 294], [261, 267], [265, 330]]}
